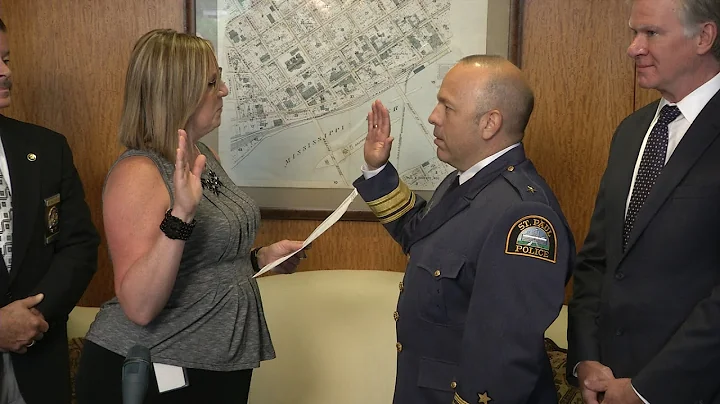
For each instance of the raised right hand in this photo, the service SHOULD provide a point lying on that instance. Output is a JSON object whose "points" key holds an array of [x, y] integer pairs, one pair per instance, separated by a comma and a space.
{"points": [[188, 189], [378, 141], [20, 326], [589, 372]]}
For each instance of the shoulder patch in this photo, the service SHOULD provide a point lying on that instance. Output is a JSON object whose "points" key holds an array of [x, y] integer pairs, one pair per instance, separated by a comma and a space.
{"points": [[534, 237]]}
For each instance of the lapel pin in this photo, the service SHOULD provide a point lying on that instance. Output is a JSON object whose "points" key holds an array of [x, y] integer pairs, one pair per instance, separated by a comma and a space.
{"points": [[31, 157], [531, 189]]}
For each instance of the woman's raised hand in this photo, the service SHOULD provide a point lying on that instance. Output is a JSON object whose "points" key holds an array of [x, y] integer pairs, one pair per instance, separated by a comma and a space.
{"points": [[188, 188]]}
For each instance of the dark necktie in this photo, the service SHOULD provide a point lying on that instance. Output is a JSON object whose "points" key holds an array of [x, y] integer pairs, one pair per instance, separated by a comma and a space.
{"points": [[651, 164], [454, 184]]}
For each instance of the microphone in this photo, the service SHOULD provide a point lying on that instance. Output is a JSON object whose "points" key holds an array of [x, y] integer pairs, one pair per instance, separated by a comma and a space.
{"points": [[135, 375]]}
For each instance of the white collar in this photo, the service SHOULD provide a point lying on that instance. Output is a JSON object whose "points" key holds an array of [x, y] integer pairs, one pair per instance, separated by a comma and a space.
{"points": [[470, 172], [693, 103]]}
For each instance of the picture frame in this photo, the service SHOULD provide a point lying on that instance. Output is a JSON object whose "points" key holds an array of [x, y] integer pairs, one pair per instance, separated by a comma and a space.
{"points": [[504, 33]]}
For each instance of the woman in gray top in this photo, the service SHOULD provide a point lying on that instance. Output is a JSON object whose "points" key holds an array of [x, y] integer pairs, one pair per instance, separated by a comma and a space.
{"points": [[180, 235]]}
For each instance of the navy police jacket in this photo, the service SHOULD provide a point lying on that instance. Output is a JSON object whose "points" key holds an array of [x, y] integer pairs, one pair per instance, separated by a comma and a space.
{"points": [[488, 264]]}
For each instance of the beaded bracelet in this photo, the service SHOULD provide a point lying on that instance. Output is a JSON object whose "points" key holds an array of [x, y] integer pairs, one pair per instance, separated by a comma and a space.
{"points": [[175, 228]]}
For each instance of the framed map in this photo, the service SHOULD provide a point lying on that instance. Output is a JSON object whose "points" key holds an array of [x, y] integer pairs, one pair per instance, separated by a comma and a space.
{"points": [[302, 75]]}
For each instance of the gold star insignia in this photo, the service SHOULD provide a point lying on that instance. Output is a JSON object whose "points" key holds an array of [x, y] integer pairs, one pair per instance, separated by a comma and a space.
{"points": [[531, 189], [483, 398]]}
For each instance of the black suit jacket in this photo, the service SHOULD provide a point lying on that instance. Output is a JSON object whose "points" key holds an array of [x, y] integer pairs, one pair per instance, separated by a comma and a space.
{"points": [[60, 268], [652, 313]]}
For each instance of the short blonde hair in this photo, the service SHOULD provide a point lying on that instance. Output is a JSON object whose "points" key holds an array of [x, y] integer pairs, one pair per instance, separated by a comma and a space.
{"points": [[167, 77]]}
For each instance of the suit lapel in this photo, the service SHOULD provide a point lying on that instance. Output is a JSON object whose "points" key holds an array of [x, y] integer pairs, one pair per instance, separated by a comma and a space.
{"points": [[618, 184], [459, 198], [698, 138], [25, 182], [4, 277]]}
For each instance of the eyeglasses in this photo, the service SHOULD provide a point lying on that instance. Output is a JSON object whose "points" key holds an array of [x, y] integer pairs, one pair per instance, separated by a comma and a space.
{"points": [[218, 82]]}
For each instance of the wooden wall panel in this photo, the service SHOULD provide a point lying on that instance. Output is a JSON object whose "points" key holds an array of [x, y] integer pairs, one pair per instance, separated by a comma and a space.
{"points": [[347, 245], [573, 53], [68, 61]]}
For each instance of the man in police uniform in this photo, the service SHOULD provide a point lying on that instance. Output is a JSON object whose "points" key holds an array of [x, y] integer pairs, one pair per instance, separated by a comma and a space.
{"points": [[48, 248], [490, 252]]}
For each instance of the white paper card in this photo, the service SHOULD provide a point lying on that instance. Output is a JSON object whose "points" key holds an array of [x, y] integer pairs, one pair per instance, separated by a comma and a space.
{"points": [[326, 224], [170, 377]]}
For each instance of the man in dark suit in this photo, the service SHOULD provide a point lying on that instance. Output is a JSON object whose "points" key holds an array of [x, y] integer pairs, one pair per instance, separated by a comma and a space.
{"points": [[644, 321], [489, 253], [49, 254]]}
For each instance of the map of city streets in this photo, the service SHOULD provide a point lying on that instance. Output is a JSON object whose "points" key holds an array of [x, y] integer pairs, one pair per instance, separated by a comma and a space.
{"points": [[301, 78]]}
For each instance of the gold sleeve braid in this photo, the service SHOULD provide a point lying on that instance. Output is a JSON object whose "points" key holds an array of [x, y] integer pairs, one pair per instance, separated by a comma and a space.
{"points": [[458, 400], [393, 205]]}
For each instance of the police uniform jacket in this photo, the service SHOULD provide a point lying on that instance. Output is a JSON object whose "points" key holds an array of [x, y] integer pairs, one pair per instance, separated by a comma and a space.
{"points": [[488, 264], [54, 251]]}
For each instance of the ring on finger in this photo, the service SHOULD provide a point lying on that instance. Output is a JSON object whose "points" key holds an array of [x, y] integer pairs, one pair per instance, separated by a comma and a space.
{"points": [[30, 344]]}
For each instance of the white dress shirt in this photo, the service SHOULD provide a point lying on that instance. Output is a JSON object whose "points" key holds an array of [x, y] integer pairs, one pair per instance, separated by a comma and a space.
{"points": [[4, 166], [690, 108], [9, 390]]}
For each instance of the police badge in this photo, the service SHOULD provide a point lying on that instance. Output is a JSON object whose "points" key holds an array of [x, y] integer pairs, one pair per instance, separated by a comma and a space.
{"points": [[52, 218], [534, 237]]}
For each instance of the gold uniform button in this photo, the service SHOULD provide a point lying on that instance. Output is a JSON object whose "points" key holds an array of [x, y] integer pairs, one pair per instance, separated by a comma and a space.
{"points": [[399, 347], [453, 385], [511, 168], [436, 273], [401, 285], [396, 315]]}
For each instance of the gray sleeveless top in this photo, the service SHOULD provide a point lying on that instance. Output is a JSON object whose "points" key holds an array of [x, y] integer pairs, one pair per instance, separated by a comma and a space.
{"points": [[214, 318]]}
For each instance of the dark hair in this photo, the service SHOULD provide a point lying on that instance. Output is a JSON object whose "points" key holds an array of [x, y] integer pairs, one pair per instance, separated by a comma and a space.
{"points": [[3, 28]]}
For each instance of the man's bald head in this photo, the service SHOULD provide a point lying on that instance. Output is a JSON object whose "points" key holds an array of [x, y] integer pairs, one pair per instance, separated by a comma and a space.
{"points": [[504, 88]]}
